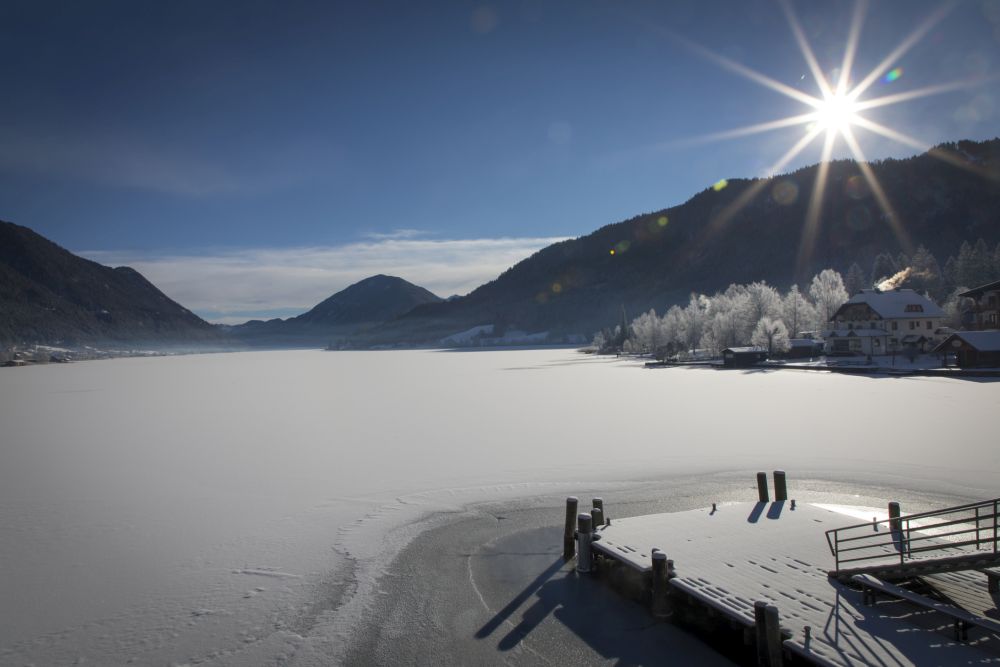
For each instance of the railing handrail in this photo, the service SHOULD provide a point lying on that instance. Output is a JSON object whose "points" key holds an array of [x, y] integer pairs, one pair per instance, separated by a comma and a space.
{"points": [[899, 536], [922, 515]]}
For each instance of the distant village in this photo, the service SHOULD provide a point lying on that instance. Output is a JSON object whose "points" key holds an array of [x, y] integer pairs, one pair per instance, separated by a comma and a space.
{"points": [[887, 326]]}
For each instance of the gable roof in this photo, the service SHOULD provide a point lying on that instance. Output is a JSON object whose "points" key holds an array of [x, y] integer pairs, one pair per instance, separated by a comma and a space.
{"points": [[984, 341], [895, 304]]}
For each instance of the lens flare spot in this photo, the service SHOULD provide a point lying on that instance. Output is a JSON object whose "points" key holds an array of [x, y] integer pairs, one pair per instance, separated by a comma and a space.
{"points": [[622, 247], [856, 188], [612, 251], [662, 221], [556, 288], [720, 185], [893, 75], [785, 192], [541, 297]]}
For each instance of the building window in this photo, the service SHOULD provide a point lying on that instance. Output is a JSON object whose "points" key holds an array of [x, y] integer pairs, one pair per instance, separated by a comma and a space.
{"points": [[914, 308], [911, 324], [895, 325], [928, 324]]}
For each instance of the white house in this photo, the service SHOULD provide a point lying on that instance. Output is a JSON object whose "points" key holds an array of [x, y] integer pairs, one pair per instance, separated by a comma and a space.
{"points": [[876, 322]]}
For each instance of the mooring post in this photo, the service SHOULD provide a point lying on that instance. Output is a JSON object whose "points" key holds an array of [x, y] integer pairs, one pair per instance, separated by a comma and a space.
{"points": [[780, 488], [584, 535], [597, 514], [762, 487], [660, 578], [759, 624], [894, 523], [569, 543], [598, 504], [773, 631]]}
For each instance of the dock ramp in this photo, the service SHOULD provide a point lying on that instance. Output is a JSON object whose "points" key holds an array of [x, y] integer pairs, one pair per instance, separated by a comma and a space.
{"points": [[954, 539]]}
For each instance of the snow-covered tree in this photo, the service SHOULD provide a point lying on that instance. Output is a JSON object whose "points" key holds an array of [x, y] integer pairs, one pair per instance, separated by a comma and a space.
{"points": [[828, 293], [647, 332], [772, 335], [694, 320], [796, 311], [762, 301], [954, 306], [729, 323]]}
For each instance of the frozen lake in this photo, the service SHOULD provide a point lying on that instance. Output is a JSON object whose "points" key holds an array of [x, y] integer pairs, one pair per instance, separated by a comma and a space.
{"points": [[235, 508]]}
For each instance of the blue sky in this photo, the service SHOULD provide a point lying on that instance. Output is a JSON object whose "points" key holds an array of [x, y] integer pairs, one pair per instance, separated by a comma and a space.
{"points": [[252, 158]]}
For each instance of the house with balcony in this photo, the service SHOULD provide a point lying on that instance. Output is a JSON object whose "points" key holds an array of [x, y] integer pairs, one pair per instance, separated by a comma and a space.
{"points": [[986, 313], [875, 322]]}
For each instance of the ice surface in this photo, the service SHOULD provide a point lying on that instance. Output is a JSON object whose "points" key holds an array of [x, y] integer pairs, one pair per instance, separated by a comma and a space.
{"points": [[235, 507]]}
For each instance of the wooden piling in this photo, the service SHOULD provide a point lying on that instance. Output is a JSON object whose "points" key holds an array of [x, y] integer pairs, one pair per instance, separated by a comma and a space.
{"points": [[762, 487], [660, 588], [569, 541], [780, 487], [759, 624], [894, 523], [772, 629], [584, 535], [598, 516]]}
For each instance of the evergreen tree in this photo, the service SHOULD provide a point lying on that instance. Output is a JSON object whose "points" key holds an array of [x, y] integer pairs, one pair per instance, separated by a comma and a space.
{"points": [[982, 263], [855, 280], [798, 314], [883, 267], [926, 274], [964, 266], [949, 275]]}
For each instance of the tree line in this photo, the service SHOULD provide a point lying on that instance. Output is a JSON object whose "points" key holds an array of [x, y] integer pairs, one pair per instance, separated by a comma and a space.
{"points": [[758, 314]]}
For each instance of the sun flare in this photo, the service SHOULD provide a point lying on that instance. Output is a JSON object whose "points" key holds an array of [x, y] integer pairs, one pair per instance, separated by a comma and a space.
{"points": [[836, 113]]}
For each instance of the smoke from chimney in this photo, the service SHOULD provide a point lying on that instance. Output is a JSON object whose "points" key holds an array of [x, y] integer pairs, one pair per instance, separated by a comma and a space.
{"points": [[895, 281]]}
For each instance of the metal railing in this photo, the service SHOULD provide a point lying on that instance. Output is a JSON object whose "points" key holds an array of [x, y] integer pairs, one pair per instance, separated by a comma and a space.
{"points": [[954, 531]]}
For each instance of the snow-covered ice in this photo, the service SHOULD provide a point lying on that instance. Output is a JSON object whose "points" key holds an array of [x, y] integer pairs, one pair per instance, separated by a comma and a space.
{"points": [[236, 508]]}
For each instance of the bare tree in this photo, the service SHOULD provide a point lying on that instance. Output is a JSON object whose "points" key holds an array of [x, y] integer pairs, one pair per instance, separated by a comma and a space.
{"points": [[771, 334], [828, 293], [797, 313]]}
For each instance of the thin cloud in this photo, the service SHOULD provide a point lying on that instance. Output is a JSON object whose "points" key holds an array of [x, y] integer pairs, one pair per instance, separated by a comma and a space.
{"points": [[396, 234], [232, 286]]}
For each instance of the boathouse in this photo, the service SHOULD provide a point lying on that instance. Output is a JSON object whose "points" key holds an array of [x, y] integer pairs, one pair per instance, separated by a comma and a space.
{"points": [[742, 357], [973, 349]]}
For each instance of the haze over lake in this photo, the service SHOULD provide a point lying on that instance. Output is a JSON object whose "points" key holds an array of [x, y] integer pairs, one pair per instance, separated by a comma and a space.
{"points": [[232, 508]]}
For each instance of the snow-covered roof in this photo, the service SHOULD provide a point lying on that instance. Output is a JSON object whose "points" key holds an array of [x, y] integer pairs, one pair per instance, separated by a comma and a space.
{"points": [[984, 341], [977, 292], [897, 303]]}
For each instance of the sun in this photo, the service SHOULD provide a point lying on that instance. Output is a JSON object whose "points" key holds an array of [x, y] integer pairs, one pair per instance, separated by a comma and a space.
{"points": [[836, 113]]}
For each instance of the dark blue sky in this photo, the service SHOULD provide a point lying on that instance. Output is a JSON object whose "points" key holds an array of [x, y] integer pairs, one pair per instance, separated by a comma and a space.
{"points": [[146, 130]]}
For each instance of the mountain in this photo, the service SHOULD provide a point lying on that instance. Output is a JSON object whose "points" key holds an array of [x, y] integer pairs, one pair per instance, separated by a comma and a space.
{"points": [[347, 313], [49, 295], [736, 231]]}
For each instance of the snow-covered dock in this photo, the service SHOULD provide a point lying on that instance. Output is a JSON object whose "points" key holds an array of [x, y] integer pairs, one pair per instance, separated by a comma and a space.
{"points": [[728, 557]]}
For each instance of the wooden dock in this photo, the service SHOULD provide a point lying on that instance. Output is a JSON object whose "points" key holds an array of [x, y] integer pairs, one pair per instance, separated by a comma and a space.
{"points": [[726, 559]]}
